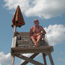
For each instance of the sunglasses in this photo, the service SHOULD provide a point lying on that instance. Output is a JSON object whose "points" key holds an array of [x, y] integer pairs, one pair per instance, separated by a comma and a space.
{"points": [[35, 21]]}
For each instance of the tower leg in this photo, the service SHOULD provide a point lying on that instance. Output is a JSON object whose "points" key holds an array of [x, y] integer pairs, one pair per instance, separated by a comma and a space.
{"points": [[44, 58], [33, 56], [12, 59], [51, 60]]}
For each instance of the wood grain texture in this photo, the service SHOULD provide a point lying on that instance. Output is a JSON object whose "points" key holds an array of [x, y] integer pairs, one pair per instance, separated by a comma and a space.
{"points": [[40, 49], [29, 60], [44, 58], [50, 58], [12, 59], [33, 56]]}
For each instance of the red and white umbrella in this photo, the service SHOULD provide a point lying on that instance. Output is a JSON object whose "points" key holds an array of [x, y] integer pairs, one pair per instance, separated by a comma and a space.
{"points": [[18, 20]]}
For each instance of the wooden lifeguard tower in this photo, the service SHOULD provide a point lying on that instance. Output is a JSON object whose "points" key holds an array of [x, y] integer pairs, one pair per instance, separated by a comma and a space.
{"points": [[21, 43]]}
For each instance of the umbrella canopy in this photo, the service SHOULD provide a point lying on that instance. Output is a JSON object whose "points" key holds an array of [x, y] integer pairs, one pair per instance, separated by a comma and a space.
{"points": [[18, 20]]}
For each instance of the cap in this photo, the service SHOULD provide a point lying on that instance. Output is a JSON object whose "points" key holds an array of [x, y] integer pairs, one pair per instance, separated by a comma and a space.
{"points": [[36, 20]]}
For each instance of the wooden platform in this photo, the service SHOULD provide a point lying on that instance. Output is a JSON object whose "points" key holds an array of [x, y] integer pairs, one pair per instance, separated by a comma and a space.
{"points": [[41, 49]]}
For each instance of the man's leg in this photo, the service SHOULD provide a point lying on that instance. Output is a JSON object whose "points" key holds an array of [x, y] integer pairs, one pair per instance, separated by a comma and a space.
{"points": [[33, 39], [38, 38]]}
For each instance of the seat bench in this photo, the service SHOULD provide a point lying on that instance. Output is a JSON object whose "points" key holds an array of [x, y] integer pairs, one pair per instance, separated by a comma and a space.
{"points": [[23, 40]]}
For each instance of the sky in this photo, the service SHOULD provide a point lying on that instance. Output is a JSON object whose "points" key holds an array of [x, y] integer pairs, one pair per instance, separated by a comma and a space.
{"points": [[51, 15]]}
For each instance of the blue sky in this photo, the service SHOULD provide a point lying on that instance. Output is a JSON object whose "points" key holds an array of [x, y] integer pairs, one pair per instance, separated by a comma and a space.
{"points": [[52, 19]]}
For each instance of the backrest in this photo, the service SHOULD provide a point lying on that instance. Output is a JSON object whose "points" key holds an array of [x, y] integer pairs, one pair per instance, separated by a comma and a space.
{"points": [[23, 40]]}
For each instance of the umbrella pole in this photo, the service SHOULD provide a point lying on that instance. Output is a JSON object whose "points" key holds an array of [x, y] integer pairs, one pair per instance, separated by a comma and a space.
{"points": [[14, 30]]}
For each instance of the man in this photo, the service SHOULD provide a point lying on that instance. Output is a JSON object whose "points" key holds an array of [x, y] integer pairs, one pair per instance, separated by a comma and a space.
{"points": [[36, 32]]}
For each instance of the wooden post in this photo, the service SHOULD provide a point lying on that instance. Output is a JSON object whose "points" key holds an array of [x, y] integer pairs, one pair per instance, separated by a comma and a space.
{"points": [[44, 58], [51, 60], [14, 41], [12, 59], [13, 45]]}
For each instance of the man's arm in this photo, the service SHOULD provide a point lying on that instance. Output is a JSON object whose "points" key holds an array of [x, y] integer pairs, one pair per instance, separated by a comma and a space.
{"points": [[31, 32], [43, 31]]}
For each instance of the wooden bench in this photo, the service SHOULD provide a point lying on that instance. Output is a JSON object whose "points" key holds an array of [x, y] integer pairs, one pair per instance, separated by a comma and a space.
{"points": [[23, 40]]}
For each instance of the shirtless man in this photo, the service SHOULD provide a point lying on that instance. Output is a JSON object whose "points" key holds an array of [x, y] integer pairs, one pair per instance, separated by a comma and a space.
{"points": [[36, 32]]}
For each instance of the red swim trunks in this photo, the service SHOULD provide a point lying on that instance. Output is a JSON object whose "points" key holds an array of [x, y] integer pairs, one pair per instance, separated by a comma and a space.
{"points": [[36, 37]]}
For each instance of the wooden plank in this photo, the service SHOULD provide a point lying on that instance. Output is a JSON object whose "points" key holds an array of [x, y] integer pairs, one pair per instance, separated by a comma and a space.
{"points": [[24, 33], [30, 43], [21, 33], [31, 50], [24, 42], [23, 37], [33, 56], [14, 42], [44, 58], [29, 60], [51, 60]]}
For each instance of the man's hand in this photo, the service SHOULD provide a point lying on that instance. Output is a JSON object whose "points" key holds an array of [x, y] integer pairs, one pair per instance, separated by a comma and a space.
{"points": [[38, 33]]}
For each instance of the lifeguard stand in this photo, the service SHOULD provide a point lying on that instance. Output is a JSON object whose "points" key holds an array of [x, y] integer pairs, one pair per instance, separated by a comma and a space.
{"points": [[21, 43]]}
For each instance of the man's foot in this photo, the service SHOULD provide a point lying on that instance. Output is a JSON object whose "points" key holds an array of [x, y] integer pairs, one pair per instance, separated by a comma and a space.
{"points": [[36, 44]]}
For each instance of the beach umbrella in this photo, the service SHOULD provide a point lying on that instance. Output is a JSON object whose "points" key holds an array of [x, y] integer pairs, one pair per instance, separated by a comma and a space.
{"points": [[18, 19]]}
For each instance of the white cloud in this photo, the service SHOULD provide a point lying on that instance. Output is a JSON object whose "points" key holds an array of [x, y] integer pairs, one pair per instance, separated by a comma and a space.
{"points": [[41, 8], [4, 59], [55, 34], [61, 59]]}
